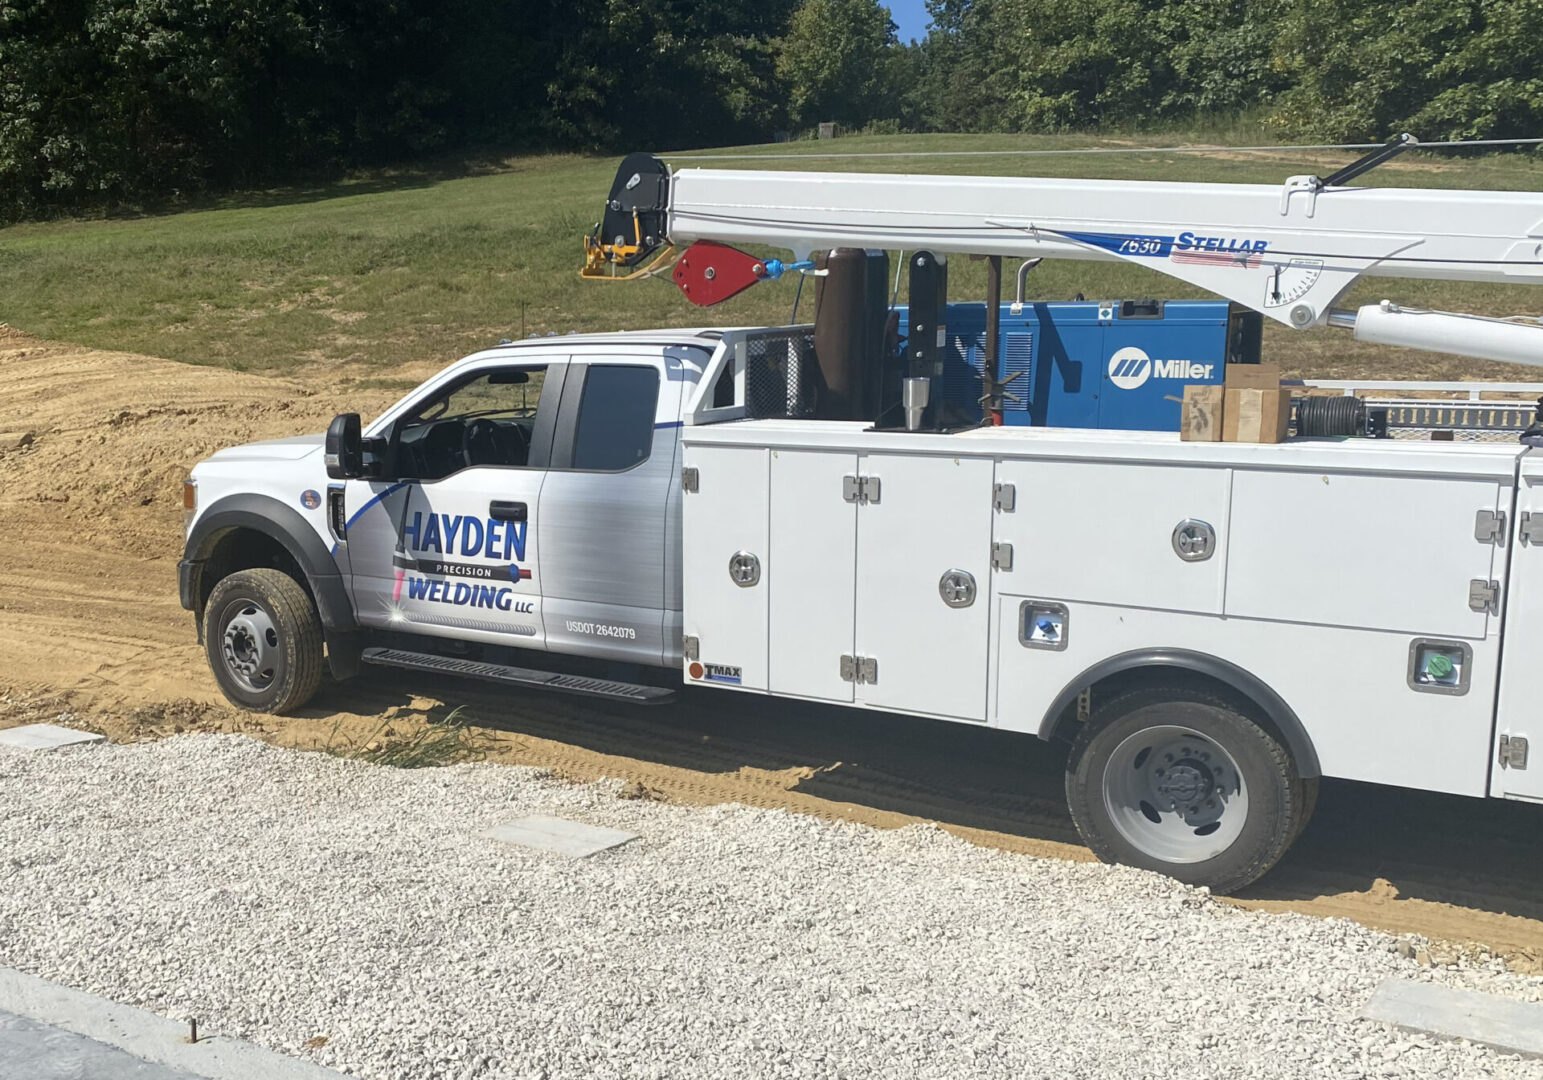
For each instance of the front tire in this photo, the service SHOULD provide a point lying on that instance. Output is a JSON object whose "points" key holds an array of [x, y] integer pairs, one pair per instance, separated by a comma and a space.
{"points": [[263, 639], [1178, 781]]}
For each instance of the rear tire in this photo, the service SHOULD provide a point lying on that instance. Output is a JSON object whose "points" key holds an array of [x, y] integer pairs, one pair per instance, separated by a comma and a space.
{"points": [[1181, 782], [263, 639]]}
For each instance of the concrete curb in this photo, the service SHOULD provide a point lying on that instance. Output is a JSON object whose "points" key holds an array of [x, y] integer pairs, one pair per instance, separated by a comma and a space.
{"points": [[146, 1035], [1514, 1027]]}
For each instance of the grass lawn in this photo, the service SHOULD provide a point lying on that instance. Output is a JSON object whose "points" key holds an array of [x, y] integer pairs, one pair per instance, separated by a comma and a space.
{"points": [[420, 268]]}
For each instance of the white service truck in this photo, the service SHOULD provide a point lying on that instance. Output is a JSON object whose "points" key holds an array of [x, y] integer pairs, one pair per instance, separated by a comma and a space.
{"points": [[1211, 626]]}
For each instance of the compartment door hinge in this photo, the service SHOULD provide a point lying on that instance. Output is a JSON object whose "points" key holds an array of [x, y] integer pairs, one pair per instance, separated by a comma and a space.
{"points": [[691, 647], [1001, 556], [690, 479], [1489, 526], [1529, 528], [859, 669], [1513, 752], [1484, 596], [1005, 498], [860, 489]]}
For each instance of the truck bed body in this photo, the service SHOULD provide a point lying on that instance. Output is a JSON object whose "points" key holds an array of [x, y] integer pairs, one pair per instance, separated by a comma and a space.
{"points": [[1333, 562]]}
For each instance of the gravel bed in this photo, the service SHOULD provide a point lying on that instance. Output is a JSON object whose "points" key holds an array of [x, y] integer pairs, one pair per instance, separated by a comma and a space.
{"points": [[353, 914]]}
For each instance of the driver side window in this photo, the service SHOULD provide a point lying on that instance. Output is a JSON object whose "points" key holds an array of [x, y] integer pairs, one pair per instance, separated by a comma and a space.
{"points": [[487, 419]]}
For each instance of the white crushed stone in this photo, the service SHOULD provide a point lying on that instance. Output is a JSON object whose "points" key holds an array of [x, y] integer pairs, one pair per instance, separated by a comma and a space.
{"points": [[282, 896]]}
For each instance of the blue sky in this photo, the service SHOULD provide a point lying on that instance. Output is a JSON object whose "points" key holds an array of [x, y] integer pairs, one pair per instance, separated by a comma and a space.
{"points": [[910, 16]]}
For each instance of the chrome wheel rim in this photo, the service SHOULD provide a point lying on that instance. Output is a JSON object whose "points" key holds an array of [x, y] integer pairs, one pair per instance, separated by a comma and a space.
{"points": [[250, 645], [1174, 794]]}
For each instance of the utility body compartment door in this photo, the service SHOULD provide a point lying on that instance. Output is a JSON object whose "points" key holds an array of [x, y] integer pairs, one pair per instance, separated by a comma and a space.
{"points": [[724, 526], [1519, 712], [925, 518], [812, 573]]}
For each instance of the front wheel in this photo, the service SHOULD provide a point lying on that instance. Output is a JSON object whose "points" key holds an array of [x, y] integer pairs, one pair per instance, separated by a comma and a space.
{"points": [[1179, 782], [264, 641]]}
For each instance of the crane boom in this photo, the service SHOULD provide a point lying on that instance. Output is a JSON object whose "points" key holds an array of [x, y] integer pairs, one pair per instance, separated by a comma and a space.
{"points": [[1288, 251], [1285, 251]]}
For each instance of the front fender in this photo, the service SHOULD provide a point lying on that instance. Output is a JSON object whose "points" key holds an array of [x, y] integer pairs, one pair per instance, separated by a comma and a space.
{"points": [[282, 524]]}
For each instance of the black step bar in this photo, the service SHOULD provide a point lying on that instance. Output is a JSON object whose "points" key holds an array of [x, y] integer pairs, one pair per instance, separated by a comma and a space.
{"points": [[529, 678]]}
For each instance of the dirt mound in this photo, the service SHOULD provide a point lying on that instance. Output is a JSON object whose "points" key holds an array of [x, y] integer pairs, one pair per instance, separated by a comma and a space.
{"points": [[93, 449], [103, 440]]}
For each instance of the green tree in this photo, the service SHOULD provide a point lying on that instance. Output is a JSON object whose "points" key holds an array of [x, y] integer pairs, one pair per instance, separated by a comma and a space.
{"points": [[838, 62], [1367, 69]]}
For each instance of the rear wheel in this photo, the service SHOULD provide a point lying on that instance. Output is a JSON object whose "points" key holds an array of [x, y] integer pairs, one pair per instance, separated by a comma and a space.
{"points": [[263, 639], [1183, 783]]}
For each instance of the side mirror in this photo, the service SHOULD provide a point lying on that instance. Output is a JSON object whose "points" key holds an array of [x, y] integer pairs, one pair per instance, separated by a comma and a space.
{"points": [[345, 447]]}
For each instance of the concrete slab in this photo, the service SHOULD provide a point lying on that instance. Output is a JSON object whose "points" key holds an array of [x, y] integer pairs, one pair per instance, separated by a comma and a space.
{"points": [[1512, 1026], [33, 1051], [56, 1011], [46, 737], [571, 838]]}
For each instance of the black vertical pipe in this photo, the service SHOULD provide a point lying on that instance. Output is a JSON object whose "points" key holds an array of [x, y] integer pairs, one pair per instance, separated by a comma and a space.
{"points": [[989, 382]]}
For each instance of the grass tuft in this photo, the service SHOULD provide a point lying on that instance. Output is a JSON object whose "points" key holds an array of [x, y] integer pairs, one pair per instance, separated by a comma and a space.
{"points": [[450, 741]]}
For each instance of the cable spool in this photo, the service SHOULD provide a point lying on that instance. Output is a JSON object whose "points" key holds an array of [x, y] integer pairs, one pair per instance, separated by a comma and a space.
{"points": [[1327, 417]]}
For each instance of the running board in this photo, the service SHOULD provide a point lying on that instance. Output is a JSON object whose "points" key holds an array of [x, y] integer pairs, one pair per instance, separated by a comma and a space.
{"points": [[636, 693]]}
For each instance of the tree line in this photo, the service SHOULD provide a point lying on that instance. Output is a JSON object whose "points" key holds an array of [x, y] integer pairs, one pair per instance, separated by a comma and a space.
{"points": [[112, 102]]}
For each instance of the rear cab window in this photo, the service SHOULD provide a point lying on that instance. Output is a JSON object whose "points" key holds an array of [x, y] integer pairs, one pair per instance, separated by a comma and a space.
{"points": [[614, 426]]}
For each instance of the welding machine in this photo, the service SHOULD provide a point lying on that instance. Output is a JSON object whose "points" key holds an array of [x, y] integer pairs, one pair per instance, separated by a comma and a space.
{"points": [[1092, 364]]}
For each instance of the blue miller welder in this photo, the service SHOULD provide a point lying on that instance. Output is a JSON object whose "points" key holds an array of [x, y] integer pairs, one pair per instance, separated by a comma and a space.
{"points": [[1091, 364]]}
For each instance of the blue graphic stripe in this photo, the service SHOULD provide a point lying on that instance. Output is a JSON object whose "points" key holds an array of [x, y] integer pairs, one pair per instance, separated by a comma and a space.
{"points": [[399, 485], [1147, 246], [349, 524], [667, 424]]}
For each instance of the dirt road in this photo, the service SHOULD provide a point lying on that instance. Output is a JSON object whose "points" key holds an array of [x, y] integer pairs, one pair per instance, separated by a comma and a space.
{"points": [[93, 447]]}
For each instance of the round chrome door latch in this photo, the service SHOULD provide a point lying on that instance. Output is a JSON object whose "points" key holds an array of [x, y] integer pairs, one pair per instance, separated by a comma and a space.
{"points": [[1194, 541], [744, 569], [957, 588]]}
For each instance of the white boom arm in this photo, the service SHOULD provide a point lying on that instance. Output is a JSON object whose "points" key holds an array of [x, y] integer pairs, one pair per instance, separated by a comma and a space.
{"points": [[1286, 251]]}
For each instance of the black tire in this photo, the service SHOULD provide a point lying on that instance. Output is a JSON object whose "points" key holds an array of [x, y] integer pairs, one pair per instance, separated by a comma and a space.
{"points": [[1270, 799], [279, 674]]}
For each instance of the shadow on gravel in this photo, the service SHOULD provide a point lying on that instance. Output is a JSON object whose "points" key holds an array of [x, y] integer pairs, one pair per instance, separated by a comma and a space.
{"points": [[1479, 853]]}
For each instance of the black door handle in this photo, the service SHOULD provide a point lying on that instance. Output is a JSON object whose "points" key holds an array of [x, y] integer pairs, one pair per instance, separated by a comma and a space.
{"points": [[506, 511]]}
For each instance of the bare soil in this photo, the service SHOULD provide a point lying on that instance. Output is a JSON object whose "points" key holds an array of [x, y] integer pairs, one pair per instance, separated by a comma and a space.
{"points": [[93, 449]]}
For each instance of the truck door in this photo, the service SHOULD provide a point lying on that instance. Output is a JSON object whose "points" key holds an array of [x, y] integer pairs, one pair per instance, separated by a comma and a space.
{"points": [[605, 507], [924, 583], [445, 543], [1516, 772]]}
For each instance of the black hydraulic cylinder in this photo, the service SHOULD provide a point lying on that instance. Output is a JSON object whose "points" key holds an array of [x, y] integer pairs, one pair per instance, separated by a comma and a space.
{"points": [[851, 307]]}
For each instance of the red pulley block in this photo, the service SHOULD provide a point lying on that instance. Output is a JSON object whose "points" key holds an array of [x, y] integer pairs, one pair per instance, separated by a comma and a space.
{"points": [[708, 272]]}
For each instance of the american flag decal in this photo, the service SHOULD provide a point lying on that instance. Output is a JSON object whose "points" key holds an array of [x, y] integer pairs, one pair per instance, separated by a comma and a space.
{"points": [[1245, 258]]}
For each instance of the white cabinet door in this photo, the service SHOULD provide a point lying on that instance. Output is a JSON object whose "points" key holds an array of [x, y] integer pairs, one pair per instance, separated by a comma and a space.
{"points": [[1520, 704], [727, 573], [813, 572], [932, 518]]}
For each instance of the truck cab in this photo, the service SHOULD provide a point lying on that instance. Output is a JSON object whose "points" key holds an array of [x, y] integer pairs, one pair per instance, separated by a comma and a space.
{"points": [[526, 497]]}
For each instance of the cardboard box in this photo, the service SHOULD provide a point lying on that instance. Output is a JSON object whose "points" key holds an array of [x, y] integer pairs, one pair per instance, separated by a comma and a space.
{"points": [[1200, 417], [1256, 416], [1253, 376]]}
